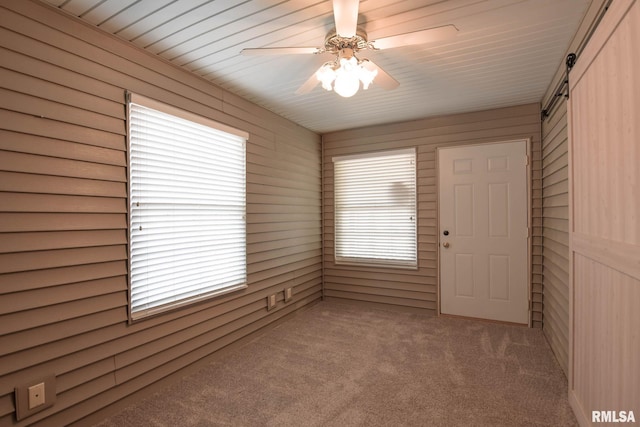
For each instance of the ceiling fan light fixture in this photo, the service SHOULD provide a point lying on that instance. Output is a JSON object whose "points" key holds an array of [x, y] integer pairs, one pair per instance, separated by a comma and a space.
{"points": [[345, 75]]}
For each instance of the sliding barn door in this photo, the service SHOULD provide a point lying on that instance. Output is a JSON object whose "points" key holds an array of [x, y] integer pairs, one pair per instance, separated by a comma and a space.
{"points": [[604, 118]]}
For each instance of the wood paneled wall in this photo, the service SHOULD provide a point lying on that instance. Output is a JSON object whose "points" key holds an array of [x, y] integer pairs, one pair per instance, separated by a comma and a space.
{"points": [[63, 224], [418, 289], [604, 220]]}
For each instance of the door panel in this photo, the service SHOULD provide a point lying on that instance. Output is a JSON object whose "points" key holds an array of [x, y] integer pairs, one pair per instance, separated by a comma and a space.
{"points": [[463, 210], [484, 231], [499, 210], [464, 275], [499, 277]]}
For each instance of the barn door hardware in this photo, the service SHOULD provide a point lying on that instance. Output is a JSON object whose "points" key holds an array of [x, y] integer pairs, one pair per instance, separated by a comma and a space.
{"points": [[560, 91]]}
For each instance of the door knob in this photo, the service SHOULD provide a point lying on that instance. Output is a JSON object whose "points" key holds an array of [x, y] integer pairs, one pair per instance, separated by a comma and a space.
{"points": [[445, 244]]}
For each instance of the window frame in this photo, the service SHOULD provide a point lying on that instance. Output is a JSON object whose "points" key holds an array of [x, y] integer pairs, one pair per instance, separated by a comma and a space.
{"points": [[145, 313], [377, 262]]}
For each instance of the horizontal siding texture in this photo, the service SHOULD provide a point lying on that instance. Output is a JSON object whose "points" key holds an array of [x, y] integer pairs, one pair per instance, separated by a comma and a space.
{"points": [[63, 218], [418, 289], [555, 231]]}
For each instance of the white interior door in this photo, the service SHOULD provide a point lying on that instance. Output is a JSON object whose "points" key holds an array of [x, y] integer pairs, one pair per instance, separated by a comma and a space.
{"points": [[483, 217]]}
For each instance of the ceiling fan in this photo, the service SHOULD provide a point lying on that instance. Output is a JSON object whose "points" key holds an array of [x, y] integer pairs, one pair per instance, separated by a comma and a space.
{"points": [[347, 71]]}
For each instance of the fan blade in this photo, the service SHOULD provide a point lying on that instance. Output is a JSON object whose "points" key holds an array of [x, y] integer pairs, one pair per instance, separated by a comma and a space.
{"points": [[345, 14], [382, 79], [417, 37], [280, 51], [309, 84]]}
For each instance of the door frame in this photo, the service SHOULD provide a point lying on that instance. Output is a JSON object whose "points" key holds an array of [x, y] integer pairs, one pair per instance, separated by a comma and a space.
{"points": [[529, 199]]}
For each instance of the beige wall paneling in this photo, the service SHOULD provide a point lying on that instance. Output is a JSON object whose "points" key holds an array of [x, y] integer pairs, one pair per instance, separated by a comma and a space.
{"points": [[604, 359], [555, 231], [555, 206], [63, 226], [419, 288]]}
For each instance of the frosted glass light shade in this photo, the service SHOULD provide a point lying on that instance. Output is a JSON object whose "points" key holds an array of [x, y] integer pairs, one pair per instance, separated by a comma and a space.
{"points": [[367, 76], [326, 75], [346, 84], [345, 78]]}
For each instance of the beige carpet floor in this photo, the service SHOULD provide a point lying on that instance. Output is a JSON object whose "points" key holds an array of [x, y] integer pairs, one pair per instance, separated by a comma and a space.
{"points": [[346, 365]]}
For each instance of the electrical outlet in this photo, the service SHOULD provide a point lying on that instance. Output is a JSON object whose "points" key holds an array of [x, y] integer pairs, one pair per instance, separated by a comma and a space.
{"points": [[35, 396], [288, 294], [271, 301]]}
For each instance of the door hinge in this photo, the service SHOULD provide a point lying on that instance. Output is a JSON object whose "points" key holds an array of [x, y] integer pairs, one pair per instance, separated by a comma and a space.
{"points": [[526, 160]]}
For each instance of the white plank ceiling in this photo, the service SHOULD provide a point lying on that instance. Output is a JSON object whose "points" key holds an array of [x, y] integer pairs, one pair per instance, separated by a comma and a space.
{"points": [[505, 52]]}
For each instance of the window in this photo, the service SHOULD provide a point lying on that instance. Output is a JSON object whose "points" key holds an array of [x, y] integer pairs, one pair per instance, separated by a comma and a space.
{"points": [[375, 208], [187, 228]]}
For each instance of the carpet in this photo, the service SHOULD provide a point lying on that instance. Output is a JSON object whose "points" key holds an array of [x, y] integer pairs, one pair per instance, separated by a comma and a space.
{"points": [[340, 364]]}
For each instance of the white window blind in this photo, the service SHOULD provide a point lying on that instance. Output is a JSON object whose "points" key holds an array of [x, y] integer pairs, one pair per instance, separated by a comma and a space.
{"points": [[187, 228], [375, 208]]}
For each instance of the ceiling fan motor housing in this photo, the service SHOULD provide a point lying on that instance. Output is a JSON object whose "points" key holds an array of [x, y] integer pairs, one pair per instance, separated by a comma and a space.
{"points": [[334, 43]]}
